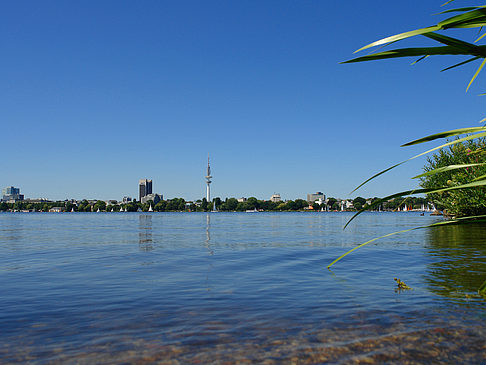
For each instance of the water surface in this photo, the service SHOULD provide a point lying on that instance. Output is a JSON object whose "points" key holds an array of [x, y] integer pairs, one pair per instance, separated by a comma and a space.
{"points": [[86, 288]]}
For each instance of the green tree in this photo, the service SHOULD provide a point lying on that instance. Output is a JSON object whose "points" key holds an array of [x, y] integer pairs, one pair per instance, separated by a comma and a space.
{"points": [[100, 204], [204, 205], [458, 203], [231, 204]]}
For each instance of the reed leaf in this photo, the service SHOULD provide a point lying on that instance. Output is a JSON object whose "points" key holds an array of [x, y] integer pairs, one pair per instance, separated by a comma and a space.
{"points": [[475, 219], [414, 52], [482, 289], [461, 63], [446, 134], [476, 74], [459, 140], [473, 184], [400, 36], [447, 168]]}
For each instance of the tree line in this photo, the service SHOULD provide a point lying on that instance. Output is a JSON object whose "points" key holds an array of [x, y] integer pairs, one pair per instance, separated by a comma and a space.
{"points": [[227, 205]]}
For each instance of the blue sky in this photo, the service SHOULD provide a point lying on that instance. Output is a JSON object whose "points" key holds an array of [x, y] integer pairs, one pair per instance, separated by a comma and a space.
{"points": [[95, 95]]}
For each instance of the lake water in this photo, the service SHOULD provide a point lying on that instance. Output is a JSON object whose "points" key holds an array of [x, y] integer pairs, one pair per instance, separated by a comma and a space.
{"points": [[238, 288]]}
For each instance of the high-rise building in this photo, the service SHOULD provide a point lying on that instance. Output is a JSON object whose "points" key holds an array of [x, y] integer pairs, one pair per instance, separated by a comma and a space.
{"points": [[11, 194], [311, 198], [144, 188]]}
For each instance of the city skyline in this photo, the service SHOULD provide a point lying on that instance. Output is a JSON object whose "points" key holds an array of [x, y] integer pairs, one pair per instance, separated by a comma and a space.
{"points": [[261, 81]]}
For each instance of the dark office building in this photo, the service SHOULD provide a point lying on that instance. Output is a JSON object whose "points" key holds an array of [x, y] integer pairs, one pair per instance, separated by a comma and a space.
{"points": [[144, 188]]}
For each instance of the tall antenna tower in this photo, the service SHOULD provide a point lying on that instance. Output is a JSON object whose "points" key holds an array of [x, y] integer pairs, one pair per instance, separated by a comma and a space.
{"points": [[208, 181]]}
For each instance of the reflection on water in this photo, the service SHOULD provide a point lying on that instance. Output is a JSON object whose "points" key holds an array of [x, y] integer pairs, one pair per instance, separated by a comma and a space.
{"points": [[235, 287], [458, 254], [145, 232], [208, 233]]}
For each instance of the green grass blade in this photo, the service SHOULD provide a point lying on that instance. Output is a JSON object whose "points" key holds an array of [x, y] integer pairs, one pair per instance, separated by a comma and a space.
{"points": [[482, 289], [476, 74], [414, 52], [447, 2], [481, 37], [451, 133], [461, 63], [400, 36], [420, 59], [459, 10], [447, 168], [366, 243], [473, 184], [465, 18], [479, 178], [474, 219], [467, 138], [468, 47], [378, 174]]}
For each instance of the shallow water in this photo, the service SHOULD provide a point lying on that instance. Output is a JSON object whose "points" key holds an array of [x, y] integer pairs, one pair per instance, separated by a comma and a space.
{"points": [[86, 288]]}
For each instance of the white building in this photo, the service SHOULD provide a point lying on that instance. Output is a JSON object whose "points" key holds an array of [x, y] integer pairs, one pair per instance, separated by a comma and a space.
{"points": [[276, 198]]}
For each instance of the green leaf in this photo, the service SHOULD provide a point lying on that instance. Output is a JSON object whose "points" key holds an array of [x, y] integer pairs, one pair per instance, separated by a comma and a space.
{"points": [[481, 37], [458, 9], [400, 36], [420, 59], [473, 184], [482, 289], [468, 47], [467, 138], [446, 168], [471, 17], [451, 133], [474, 219], [414, 52], [476, 74], [479, 178], [461, 63]]}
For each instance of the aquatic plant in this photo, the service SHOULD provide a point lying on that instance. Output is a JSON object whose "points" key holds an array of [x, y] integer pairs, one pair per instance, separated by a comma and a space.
{"points": [[465, 18]]}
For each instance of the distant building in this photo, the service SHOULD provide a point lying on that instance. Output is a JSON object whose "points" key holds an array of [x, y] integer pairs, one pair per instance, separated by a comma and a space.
{"points": [[11, 194], [311, 198], [126, 199], [154, 197], [144, 188], [56, 210], [241, 200], [276, 198]]}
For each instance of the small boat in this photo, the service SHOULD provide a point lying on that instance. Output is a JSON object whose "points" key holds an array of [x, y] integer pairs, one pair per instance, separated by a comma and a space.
{"points": [[150, 208], [252, 210], [121, 209], [98, 210]]}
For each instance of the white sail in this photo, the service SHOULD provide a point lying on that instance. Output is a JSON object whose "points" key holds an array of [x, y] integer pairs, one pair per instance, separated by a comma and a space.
{"points": [[150, 208]]}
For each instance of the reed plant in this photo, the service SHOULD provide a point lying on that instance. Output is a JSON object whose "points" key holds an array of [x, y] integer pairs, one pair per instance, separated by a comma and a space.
{"points": [[435, 181]]}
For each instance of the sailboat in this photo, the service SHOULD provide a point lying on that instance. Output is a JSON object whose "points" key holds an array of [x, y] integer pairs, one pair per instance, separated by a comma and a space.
{"points": [[150, 208], [98, 210], [112, 209], [121, 209]]}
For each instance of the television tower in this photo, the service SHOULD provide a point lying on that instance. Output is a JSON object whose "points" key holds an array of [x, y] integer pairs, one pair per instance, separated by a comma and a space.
{"points": [[208, 181]]}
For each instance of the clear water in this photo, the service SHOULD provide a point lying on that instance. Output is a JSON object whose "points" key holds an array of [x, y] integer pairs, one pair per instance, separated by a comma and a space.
{"points": [[95, 288]]}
